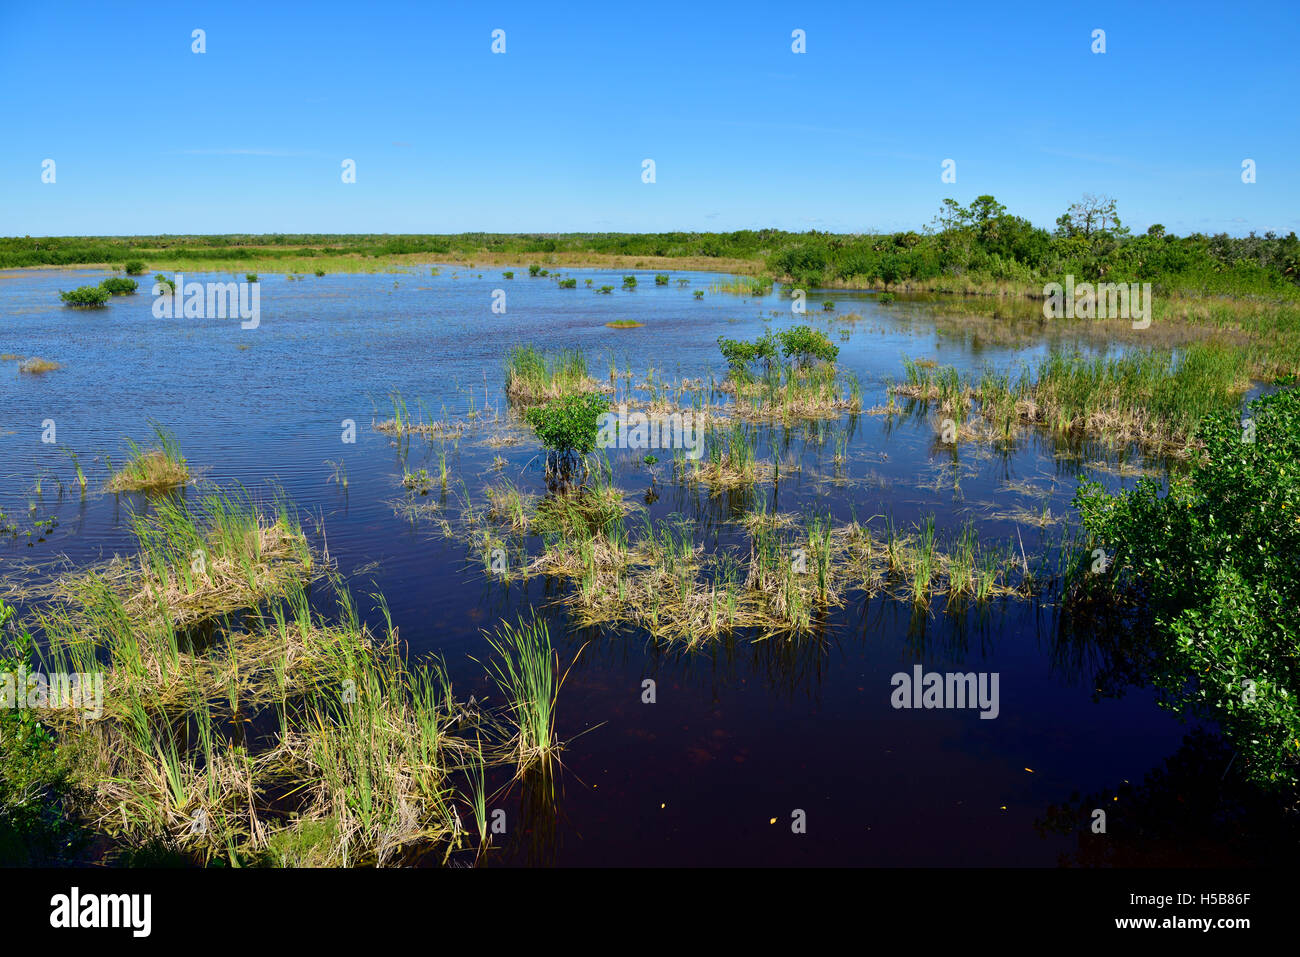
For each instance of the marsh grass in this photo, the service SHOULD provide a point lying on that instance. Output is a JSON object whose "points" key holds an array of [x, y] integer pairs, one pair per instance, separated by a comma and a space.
{"points": [[1153, 398], [741, 286], [154, 469], [196, 563], [356, 765], [728, 461], [783, 582], [527, 671], [788, 391], [533, 378], [404, 424]]}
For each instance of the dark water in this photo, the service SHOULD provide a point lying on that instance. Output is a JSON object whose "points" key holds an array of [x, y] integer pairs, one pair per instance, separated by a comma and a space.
{"points": [[741, 732]]}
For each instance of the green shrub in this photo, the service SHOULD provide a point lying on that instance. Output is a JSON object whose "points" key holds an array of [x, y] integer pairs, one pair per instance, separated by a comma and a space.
{"points": [[118, 286], [699, 293], [509, 274], [606, 290], [162, 280], [661, 279], [250, 277], [886, 297], [534, 270], [568, 426], [86, 296], [805, 344], [568, 284], [34, 772], [629, 281], [740, 354], [134, 268], [1212, 565]]}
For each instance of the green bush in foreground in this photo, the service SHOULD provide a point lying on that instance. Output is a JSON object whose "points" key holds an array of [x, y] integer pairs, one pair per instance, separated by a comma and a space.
{"points": [[568, 426], [34, 771], [1213, 562], [86, 296], [118, 286]]}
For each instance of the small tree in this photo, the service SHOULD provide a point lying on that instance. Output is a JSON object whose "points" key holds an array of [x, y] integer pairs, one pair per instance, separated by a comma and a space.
{"points": [[117, 286], [86, 297], [568, 426], [805, 344]]}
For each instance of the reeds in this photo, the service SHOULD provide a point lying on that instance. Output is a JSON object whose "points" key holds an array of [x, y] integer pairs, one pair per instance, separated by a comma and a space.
{"points": [[533, 378], [1155, 398], [527, 672], [198, 562], [154, 469]]}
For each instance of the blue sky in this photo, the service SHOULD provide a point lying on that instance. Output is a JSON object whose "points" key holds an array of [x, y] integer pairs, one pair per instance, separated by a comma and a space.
{"points": [[149, 137]]}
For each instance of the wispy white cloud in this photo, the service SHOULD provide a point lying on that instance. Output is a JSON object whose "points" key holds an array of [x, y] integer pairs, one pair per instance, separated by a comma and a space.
{"points": [[242, 151]]}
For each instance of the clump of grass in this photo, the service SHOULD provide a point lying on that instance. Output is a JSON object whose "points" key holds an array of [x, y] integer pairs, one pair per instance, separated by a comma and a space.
{"points": [[528, 673], [740, 286], [339, 473], [728, 460], [38, 366], [198, 562], [154, 469], [533, 378], [624, 324]]}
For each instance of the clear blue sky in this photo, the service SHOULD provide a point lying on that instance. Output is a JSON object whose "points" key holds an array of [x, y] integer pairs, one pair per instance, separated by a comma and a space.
{"points": [[149, 137]]}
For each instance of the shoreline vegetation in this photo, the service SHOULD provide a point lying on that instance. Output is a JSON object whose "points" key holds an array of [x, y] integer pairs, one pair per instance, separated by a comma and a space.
{"points": [[979, 249]]}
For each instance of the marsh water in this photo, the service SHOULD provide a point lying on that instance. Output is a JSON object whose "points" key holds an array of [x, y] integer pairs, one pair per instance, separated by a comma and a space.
{"points": [[742, 733]]}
